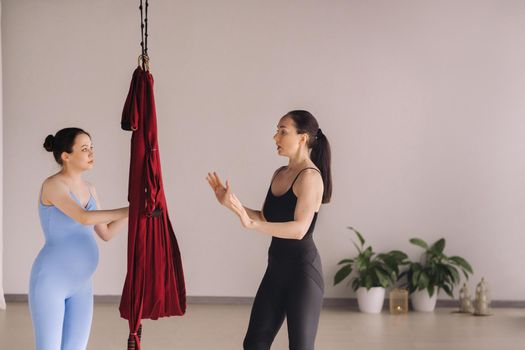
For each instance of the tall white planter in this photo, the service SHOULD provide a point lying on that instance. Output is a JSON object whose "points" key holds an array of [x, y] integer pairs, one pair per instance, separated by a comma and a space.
{"points": [[421, 301], [371, 301]]}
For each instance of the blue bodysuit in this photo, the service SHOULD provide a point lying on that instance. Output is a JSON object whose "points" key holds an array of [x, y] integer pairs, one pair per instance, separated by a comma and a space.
{"points": [[60, 289]]}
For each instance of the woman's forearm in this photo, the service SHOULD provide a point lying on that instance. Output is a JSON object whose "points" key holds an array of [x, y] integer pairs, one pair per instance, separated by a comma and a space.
{"points": [[94, 217], [286, 230], [115, 227], [254, 214]]}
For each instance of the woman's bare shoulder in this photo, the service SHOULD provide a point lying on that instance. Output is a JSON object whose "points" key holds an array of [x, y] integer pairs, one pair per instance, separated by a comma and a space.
{"points": [[278, 170], [54, 182], [309, 178]]}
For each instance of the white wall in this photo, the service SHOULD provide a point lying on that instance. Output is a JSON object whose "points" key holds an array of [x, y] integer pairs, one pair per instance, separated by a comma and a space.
{"points": [[421, 100], [2, 299]]}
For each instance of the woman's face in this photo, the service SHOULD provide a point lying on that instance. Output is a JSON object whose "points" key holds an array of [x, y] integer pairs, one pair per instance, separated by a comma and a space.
{"points": [[82, 156], [286, 138]]}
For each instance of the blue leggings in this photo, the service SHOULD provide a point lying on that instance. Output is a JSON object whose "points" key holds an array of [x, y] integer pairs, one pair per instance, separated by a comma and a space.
{"points": [[60, 321]]}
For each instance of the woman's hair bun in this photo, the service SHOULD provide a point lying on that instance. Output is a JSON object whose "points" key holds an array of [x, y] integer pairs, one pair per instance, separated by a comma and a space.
{"points": [[48, 143]]}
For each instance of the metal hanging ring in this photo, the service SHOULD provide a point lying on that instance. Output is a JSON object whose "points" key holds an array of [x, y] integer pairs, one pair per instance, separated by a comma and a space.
{"points": [[143, 61]]}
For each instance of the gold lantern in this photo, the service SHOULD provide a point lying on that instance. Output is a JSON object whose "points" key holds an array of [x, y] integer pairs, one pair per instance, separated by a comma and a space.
{"points": [[398, 301]]}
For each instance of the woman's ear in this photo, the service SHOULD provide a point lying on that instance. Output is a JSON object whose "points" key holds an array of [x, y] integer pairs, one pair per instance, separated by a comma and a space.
{"points": [[304, 139]]}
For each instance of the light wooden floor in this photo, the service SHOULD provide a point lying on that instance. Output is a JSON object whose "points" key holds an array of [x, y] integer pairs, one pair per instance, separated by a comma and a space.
{"points": [[222, 327]]}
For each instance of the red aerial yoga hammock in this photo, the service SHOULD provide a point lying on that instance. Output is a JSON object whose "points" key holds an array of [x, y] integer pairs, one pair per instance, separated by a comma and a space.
{"points": [[154, 285]]}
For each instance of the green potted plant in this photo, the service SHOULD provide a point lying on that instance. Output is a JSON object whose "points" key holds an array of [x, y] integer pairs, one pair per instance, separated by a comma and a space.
{"points": [[374, 273], [436, 272]]}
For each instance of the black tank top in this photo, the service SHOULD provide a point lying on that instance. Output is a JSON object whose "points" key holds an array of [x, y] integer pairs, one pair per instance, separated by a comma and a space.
{"points": [[282, 209]]}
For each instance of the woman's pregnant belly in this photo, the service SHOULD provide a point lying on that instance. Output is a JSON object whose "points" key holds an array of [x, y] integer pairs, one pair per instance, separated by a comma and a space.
{"points": [[70, 260]]}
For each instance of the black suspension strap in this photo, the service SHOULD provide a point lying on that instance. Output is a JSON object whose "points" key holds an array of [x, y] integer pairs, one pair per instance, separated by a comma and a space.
{"points": [[144, 58], [146, 30]]}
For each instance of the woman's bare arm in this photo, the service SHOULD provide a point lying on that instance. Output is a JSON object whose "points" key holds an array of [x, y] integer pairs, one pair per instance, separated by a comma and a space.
{"points": [[309, 188], [110, 230], [57, 193]]}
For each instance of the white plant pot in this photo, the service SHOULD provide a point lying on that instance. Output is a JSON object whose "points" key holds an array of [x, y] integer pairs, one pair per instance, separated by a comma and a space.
{"points": [[371, 301], [421, 301]]}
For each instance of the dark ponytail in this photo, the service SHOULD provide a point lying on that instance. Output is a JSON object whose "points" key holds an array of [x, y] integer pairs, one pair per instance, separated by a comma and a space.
{"points": [[320, 155], [63, 141]]}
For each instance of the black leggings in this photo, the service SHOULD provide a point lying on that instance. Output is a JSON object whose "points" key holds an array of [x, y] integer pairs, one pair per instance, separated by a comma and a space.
{"points": [[291, 288]]}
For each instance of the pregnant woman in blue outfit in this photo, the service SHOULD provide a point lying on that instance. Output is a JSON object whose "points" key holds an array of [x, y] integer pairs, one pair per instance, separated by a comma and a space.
{"points": [[292, 286], [60, 290]]}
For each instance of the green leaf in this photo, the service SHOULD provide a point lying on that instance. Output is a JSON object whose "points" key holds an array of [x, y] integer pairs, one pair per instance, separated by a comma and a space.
{"points": [[439, 246], [368, 282], [462, 263], [344, 261], [415, 277], [359, 263], [342, 274], [423, 280], [355, 284], [419, 242], [358, 248], [384, 281], [368, 253], [397, 255], [430, 290], [389, 269], [382, 256], [453, 273], [416, 267], [359, 236], [448, 290]]}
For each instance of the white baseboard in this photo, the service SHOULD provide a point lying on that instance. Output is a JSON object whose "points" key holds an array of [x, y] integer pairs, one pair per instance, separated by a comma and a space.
{"points": [[327, 302]]}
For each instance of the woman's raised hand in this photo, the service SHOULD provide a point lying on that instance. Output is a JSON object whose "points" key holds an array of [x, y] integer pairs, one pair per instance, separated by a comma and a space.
{"points": [[221, 192]]}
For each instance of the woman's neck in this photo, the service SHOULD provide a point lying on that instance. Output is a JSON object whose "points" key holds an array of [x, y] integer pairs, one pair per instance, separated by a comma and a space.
{"points": [[72, 176], [299, 161]]}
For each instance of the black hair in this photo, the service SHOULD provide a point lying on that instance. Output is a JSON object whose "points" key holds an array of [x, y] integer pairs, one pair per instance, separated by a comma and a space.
{"points": [[63, 141], [305, 123]]}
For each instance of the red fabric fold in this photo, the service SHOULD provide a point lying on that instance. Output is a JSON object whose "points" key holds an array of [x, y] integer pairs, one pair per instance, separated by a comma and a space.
{"points": [[154, 285]]}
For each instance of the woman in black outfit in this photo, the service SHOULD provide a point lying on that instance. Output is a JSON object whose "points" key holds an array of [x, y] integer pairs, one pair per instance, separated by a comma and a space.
{"points": [[292, 286]]}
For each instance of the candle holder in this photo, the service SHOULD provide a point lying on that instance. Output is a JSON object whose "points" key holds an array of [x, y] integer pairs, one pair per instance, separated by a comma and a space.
{"points": [[482, 301], [465, 301], [398, 301]]}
